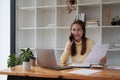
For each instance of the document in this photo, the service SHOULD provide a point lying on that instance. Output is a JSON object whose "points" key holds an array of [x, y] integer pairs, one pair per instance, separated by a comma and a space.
{"points": [[97, 52], [84, 71]]}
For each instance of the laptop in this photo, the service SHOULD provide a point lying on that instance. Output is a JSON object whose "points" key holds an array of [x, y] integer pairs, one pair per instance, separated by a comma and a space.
{"points": [[46, 58]]}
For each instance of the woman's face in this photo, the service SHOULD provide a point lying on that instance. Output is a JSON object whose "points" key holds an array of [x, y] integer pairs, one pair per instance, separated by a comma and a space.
{"points": [[77, 32]]}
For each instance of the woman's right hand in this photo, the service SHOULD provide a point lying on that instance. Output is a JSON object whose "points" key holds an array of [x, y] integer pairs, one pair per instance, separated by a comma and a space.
{"points": [[69, 42]]}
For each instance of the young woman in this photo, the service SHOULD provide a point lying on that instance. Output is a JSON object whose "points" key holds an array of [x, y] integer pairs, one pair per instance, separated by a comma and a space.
{"points": [[78, 45]]}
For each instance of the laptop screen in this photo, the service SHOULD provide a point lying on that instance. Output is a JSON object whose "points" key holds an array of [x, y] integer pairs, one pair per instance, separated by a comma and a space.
{"points": [[46, 58]]}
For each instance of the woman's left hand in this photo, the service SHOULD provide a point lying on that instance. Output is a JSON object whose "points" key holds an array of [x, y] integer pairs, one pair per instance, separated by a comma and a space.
{"points": [[103, 60]]}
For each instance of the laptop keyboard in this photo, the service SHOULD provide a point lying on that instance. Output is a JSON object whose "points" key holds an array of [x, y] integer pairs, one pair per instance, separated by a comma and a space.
{"points": [[63, 67]]}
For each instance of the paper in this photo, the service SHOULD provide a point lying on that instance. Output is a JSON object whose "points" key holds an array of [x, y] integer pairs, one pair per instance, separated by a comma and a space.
{"points": [[84, 71], [97, 53], [85, 65]]}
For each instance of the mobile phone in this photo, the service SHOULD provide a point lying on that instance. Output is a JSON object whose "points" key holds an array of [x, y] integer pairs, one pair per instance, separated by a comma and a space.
{"points": [[71, 38]]}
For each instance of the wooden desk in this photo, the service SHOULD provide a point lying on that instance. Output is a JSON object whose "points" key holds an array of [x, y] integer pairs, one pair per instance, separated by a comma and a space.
{"points": [[104, 75], [34, 72], [62, 74]]}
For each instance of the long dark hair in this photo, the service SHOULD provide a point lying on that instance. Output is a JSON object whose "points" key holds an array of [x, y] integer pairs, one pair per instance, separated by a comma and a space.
{"points": [[73, 47]]}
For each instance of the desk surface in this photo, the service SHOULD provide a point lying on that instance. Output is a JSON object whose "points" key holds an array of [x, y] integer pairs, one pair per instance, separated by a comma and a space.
{"points": [[49, 73]]}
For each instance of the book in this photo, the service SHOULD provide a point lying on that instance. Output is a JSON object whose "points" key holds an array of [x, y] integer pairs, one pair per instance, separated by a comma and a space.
{"points": [[92, 23]]}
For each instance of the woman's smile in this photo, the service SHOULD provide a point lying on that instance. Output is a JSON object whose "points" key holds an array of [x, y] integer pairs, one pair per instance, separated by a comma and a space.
{"points": [[77, 32]]}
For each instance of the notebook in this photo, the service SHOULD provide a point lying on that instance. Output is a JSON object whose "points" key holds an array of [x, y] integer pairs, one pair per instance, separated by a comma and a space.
{"points": [[46, 58]]}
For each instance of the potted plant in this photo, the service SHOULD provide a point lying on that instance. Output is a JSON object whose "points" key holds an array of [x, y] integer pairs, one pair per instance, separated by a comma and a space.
{"points": [[11, 61], [26, 55], [113, 22], [119, 22]]}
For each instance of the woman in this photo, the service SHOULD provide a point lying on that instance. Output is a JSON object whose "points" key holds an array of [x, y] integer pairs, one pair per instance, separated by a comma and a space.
{"points": [[78, 45]]}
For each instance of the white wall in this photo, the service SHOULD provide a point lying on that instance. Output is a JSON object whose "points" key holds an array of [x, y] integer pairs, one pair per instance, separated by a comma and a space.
{"points": [[4, 34]]}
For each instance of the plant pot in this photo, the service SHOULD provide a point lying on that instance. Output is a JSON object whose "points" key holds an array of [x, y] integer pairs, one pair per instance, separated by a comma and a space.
{"points": [[119, 22], [12, 68], [26, 66], [113, 23], [32, 62]]}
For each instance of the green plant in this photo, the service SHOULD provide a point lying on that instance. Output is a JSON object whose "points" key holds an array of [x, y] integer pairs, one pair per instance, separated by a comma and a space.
{"points": [[11, 61], [18, 60], [113, 22], [26, 54], [113, 19]]}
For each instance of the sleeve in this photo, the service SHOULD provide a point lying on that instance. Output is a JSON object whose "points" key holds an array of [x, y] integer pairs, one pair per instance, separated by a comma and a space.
{"points": [[65, 56], [90, 44]]}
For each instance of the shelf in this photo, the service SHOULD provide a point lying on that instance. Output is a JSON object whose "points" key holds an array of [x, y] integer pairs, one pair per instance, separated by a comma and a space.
{"points": [[26, 3], [95, 37], [114, 49], [28, 38], [46, 38], [26, 28], [59, 49], [91, 12], [114, 11], [26, 18], [89, 4], [110, 1], [63, 27], [46, 23], [45, 28], [64, 18], [61, 2], [45, 7], [65, 6], [45, 17], [111, 35], [117, 26], [26, 8], [46, 2], [26, 48], [92, 26], [61, 37], [88, 1]]}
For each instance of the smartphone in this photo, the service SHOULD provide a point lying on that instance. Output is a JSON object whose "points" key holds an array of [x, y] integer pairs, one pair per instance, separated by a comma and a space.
{"points": [[71, 38]]}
